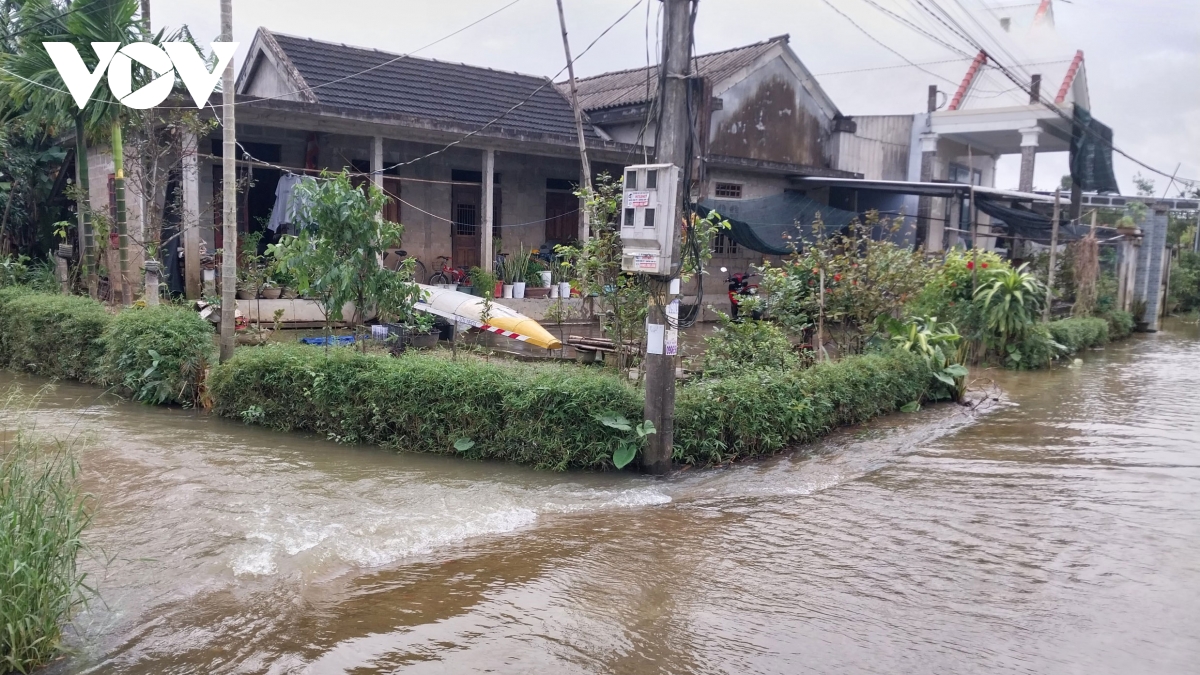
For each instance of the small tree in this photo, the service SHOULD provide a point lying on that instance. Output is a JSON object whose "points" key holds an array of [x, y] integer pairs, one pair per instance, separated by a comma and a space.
{"points": [[336, 255]]}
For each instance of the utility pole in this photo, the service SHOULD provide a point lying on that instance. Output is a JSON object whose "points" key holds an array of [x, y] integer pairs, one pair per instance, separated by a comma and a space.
{"points": [[1053, 256], [671, 147], [585, 167], [229, 244]]}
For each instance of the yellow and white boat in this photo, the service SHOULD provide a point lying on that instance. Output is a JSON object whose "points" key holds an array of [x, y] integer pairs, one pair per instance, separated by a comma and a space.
{"points": [[468, 309]]}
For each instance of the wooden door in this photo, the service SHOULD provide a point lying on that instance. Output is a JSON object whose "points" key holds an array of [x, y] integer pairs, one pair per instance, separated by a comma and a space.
{"points": [[464, 211], [562, 217], [391, 209]]}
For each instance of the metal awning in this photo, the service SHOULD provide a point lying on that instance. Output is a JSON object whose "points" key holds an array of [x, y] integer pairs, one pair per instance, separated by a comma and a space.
{"points": [[919, 189]]}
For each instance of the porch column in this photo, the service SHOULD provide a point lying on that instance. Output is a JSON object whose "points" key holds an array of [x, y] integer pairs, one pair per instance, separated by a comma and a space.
{"points": [[489, 172], [190, 218], [377, 161], [1029, 145], [929, 142]]}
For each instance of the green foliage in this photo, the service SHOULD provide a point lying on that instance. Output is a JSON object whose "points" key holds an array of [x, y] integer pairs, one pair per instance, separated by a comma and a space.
{"points": [[335, 257], [42, 518], [158, 354], [735, 347], [52, 335], [1036, 349], [1011, 301], [1120, 324], [627, 447], [1077, 334], [761, 412], [937, 344], [20, 270], [865, 278], [514, 412], [1185, 282]]}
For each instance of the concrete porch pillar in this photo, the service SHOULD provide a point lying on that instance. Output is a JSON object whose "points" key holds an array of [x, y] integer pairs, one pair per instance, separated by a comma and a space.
{"points": [[487, 221], [1029, 146], [189, 220], [929, 141]]}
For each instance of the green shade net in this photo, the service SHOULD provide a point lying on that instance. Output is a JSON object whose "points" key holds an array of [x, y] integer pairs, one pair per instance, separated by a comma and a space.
{"points": [[1091, 154], [770, 224]]}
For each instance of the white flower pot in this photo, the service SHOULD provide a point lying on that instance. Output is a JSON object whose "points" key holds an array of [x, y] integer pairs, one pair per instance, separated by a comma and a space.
{"points": [[554, 291], [519, 289], [564, 289], [546, 276], [508, 290]]}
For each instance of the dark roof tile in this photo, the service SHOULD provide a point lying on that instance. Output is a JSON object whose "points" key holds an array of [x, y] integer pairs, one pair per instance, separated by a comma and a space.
{"points": [[469, 96]]}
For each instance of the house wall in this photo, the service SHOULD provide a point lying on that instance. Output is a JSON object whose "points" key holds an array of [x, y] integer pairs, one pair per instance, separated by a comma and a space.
{"points": [[769, 115], [949, 151], [879, 149]]}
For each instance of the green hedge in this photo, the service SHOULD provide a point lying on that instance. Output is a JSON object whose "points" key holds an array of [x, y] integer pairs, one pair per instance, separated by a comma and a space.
{"points": [[52, 335], [1120, 324], [1079, 334], [540, 416], [158, 354], [758, 413], [76, 338]]}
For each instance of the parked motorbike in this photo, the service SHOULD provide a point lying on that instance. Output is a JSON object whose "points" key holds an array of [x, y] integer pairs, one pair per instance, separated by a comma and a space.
{"points": [[740, 289]]}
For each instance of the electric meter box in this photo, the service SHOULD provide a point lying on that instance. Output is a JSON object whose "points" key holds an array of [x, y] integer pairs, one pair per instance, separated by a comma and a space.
{"points": [[648, 218]]}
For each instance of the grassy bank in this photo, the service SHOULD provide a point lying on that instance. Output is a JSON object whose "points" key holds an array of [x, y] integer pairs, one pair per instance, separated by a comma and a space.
{"points": [[41, 519], [154, 354], [547, 417]]}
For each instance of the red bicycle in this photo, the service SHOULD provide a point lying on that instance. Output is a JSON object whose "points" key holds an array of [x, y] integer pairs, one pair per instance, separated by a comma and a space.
{"points": [[448, 274]]}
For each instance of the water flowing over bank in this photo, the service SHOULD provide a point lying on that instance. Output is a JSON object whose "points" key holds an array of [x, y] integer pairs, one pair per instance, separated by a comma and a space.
{"points": [[1058, 533]]}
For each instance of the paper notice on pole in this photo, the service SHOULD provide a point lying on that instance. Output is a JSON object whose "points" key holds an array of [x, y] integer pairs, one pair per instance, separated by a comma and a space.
{"points": [[671, 342], [636, 200], [673, 309], [654, 338], [674, 287]]}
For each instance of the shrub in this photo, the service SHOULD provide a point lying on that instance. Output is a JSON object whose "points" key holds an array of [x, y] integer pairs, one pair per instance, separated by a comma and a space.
{"points": [[544, 417], [748, 345], [41, 519], [158, 354], [1036, 349], [762, 412], [1079, 333], [52, 335], [1120, 324]]}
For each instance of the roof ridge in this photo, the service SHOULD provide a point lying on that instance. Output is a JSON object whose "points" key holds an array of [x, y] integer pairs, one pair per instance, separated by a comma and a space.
{"points": [[403, 56], [786, 37]]}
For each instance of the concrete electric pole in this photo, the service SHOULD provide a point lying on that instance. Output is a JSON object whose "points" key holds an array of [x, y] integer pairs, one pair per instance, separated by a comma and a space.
{"points": [[229, 248], [671, 147]]}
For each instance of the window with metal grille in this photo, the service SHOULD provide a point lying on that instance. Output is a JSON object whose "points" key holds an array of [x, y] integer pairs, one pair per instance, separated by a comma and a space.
{"points": [[728, 190], [466, 219], [723, 244]]}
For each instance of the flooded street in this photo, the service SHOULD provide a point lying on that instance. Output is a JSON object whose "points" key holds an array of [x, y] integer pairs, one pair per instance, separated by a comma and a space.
{"points": [[1057, 533]]}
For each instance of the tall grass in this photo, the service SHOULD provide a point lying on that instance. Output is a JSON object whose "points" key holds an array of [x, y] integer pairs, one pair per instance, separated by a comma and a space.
{"points": [[42, 517]]}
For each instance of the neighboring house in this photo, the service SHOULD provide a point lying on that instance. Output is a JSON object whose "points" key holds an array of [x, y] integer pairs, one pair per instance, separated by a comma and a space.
{"points": [[764, 122]]}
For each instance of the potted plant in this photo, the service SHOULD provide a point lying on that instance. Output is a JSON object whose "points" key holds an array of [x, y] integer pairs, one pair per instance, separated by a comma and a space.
{"points": [[419, 327], [516, 267], [483, 282], [270, 290]]}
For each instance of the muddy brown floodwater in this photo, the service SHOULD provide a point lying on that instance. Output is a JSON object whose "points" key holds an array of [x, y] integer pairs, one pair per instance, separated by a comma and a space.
{"points": [[1059, 533]]}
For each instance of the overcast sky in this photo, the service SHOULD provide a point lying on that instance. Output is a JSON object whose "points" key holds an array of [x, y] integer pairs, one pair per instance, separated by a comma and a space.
{"points": [[1143, 56]]}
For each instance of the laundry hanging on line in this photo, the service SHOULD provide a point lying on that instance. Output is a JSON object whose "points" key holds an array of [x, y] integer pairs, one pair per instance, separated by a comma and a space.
{"points": [[288, 204]]}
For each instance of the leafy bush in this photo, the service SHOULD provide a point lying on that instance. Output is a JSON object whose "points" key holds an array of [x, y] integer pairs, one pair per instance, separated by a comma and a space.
{"points": [[158, 354], [1079, 333], [761, 412], [748, 345], [41, 519], [51, 335], [1120, 324], [937, 343], [21, 270], [1036, 349], [1011, 301], [1185, 282], [544, 417]]}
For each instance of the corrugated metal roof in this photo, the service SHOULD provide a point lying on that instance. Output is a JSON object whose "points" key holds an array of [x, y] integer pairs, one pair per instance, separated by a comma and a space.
{"points": [[453, 92], [630, 87]]}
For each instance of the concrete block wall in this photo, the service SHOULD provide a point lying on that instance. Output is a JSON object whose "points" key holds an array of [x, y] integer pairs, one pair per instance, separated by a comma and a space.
{"points": [[1150, 267]]}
